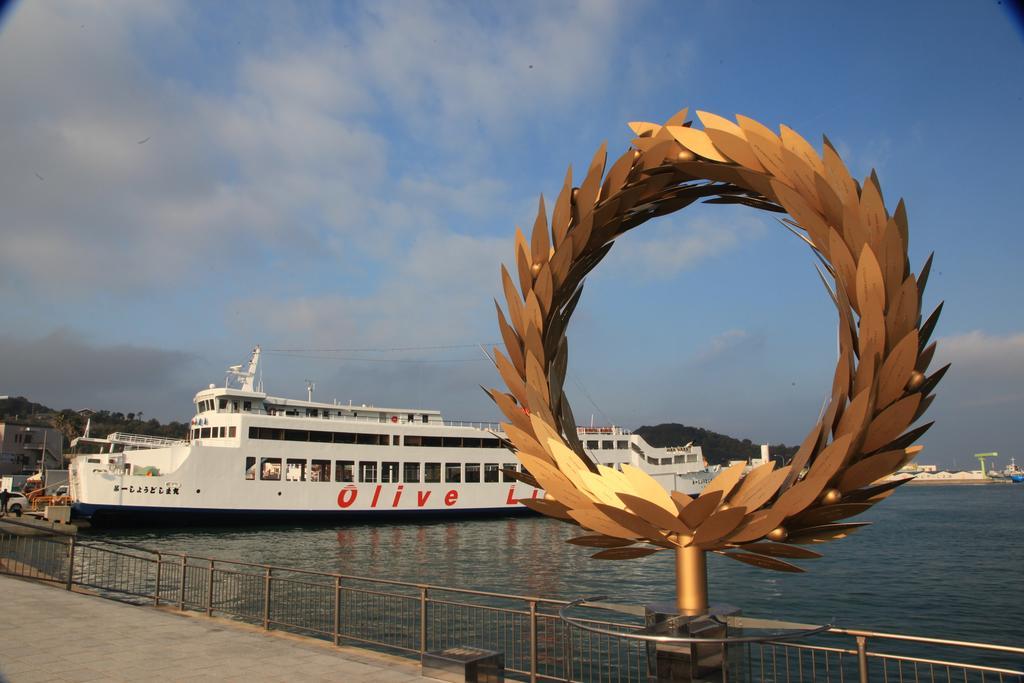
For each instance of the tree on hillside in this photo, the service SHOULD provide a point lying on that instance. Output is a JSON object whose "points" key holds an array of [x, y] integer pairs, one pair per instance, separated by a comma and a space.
{"points": [[69, 424]]}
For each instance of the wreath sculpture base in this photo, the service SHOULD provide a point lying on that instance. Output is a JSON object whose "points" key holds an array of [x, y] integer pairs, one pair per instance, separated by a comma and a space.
{"points": [[673, 649], [768, 516], [691, 580]]}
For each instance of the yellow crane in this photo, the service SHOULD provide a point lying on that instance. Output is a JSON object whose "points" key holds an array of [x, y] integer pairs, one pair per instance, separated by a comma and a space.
{"points": [[981, 458]]}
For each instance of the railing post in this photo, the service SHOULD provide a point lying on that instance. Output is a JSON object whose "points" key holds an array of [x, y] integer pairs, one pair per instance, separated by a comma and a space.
{"points": [[423, 619], [337, 610], [533, 641], [181, 593], [71, 564], [862, 658], [266, 598], [209, 590], [159, 569]]}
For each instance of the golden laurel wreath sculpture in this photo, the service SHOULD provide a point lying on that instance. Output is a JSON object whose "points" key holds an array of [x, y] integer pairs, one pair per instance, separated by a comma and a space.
{"points": [[879, 389]]}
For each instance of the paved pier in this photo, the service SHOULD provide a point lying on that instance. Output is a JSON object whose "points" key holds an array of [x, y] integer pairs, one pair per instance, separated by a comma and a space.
{"points": [[49, 634]]}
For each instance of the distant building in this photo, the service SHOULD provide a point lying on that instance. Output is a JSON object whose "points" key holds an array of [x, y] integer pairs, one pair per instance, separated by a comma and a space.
{"points": [[916, 468], [24, 447]]}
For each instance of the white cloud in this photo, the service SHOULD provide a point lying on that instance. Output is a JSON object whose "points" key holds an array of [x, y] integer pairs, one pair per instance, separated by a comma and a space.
{"points": [[439, 292], [978, 348], [303, 143], [987, 369], [447, 70], [723, 346], [979, 401], [673, 249]]}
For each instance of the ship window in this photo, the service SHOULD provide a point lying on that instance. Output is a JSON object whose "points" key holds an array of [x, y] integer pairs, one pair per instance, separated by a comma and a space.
{"points": [[223, 404], [452, 472], [296, 470], [367, 472], [371, 439], [250, 468], [451, 441], [424, 418], [195, 433], [231, 432], [247, 405], [266, 433], [320, 437], [270, 469], [413, 440], [296, 435], [344, 437], [411, 417], [204, 433], [431, 472], [312, 412], [343, 470], [470, 443], [472, 473], [622, 444], [491, 472], [432, 441], [234, 406], [395, 440], [389, 473], [592, 445], [607, 445], [508, 466], [490, 443], [223, 432], [320, 470], [411, 473]]}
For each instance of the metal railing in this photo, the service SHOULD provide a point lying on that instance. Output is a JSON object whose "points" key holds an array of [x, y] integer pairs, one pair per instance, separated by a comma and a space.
{"points": [[141, 440], [413, 618]]}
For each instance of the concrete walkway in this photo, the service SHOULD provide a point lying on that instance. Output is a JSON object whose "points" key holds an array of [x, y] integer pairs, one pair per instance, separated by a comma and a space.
{"points": [[49, 634]]}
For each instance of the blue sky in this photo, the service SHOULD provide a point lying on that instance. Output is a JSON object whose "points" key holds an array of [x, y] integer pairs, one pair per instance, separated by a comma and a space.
{"points": [[182, 181]]}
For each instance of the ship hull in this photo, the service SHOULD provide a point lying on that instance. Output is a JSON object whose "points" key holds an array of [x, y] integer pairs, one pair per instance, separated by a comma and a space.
{"points": [[138, 515]]}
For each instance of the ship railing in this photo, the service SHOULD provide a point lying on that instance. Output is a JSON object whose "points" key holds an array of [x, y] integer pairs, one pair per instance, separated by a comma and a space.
{"points": [[485, 426], [411, 618], [141, 440]]}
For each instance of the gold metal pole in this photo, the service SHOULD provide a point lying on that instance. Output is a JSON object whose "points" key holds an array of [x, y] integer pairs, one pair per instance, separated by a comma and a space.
{"points": [[691, 581]]}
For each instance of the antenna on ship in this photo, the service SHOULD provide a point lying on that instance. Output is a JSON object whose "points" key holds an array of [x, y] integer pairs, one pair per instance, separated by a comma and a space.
{"points": [[310, 386]]}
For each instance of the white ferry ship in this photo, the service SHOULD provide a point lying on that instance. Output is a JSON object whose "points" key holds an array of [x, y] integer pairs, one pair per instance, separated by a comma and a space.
{"points": [[249, 456]]}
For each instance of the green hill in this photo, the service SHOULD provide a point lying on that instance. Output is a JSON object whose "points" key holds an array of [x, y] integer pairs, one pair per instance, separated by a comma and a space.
{"points": [[718, 448], [72, 423]]}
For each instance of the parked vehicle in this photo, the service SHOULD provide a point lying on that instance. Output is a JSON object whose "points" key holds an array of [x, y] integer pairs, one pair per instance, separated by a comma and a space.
{"points": [[17, 504]]}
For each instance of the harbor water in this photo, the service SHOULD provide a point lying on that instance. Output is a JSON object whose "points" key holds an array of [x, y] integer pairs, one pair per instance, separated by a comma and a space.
{"points": [[939, 560]]}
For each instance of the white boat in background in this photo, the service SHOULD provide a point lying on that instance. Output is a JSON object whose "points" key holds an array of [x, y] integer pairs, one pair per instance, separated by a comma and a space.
{"points": [[251, 456]]}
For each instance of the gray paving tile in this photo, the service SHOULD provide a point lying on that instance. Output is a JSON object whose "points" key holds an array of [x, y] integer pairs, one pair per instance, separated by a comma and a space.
{"points": [[144, 643]]}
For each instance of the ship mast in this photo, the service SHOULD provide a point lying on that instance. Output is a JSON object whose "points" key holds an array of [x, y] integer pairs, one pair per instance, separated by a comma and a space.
{"points": [[247, 380]]}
